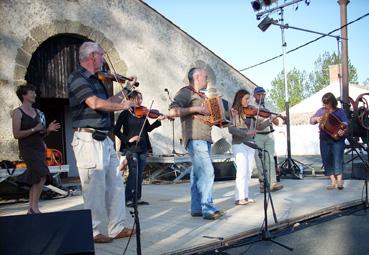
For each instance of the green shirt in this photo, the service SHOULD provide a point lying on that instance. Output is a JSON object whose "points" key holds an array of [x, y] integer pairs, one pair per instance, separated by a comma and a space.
{"points": [[192, 129]]}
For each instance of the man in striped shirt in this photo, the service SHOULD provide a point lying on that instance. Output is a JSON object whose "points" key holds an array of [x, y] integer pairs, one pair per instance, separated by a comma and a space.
{"points": [[97, 162]]}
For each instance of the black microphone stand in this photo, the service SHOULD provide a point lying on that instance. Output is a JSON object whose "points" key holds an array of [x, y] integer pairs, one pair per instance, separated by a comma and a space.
{"points": [[265, 233], [173, 145], [135, 208]]}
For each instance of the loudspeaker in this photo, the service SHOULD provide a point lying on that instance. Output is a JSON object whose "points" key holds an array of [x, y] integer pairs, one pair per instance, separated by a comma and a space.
{"points": [[224, 171], [68, 232]]}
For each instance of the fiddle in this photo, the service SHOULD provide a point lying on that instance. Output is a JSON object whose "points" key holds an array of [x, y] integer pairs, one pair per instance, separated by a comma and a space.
{"points": [[252, 111], [142, 111], [108, 76]]}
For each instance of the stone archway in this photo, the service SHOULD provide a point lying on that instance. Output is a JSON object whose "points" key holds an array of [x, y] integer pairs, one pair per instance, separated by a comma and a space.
{"points": [[41, 33]]}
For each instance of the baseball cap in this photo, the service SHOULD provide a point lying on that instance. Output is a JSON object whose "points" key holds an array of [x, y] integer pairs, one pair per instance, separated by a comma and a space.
{"points": [[258, 90]]}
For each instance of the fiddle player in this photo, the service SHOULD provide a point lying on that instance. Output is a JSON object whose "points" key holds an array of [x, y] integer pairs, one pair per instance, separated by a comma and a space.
{"points": [[264, 139], [242, 129], [97, 161], [135, 144], [331, 150], [189, 102]]}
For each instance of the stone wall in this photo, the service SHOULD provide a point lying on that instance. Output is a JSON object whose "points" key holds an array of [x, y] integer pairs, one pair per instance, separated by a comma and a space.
{"points": [[139, 41]]}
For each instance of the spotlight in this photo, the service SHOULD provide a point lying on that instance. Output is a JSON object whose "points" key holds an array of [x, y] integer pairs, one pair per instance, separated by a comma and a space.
{"points": [[265, 23], [256, 5]]}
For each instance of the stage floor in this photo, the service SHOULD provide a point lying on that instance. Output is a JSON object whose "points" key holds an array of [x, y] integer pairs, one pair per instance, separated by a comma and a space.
{"points": [[168, 228]]}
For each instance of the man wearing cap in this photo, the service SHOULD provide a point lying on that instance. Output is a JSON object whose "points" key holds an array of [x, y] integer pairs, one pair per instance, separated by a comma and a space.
{"points": [[264, 139]]}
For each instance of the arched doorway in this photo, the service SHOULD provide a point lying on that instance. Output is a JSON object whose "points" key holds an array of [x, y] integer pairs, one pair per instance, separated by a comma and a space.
{"points": [[48, 71]]}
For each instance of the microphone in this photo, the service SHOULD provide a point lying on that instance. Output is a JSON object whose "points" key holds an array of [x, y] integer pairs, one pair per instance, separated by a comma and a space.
{"points": [[167, 91], [253, 145]]}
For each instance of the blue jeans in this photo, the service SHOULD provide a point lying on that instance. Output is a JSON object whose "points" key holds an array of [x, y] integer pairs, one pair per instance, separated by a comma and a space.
{"points": [[202, 177], [131, 180], [332, 156]]}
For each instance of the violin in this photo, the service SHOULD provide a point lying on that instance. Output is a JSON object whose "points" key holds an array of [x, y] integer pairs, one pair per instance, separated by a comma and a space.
{"points": [[108, 76], [252, 111], [142, 111]]}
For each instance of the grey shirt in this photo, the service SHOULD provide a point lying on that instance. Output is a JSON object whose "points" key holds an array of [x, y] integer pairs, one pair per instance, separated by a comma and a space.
{"points": [[192, 128], [238, 129]]}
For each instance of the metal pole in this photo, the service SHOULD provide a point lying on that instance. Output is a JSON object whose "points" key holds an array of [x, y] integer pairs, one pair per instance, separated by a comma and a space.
{"points": [[286, 94], [344, 55]]}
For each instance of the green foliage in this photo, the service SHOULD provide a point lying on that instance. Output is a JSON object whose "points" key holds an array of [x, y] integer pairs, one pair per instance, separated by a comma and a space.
{"points": [[301, 85], [320, 77], [297, 87]]}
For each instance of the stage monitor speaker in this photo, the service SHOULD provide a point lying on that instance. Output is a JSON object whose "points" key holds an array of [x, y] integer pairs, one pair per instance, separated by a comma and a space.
{"points": [[224, 171], [68, 232]]}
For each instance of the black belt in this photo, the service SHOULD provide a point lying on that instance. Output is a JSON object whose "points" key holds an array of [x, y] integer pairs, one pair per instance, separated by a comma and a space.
{"points": [[265, 133], [89, 130]]}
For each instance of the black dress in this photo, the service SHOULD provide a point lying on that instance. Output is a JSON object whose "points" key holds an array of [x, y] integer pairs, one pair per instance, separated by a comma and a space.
{"points": [[32, 151]]}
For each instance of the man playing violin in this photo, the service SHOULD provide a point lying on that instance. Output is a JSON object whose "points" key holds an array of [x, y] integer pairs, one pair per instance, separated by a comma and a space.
{"points": [[135, 144], [97, 161], [264, 139], [189, 102]]}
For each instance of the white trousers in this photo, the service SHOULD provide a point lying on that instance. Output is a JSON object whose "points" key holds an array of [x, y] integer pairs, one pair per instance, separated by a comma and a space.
{"points": [[102, 186], [244, 158]]}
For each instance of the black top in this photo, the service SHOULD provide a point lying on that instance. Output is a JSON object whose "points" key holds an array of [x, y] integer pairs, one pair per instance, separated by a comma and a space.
{"points": [[131, 127], [82, 84]]}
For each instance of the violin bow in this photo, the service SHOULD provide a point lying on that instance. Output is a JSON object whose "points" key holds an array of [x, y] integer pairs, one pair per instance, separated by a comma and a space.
{"points": [[146, 117], [115, 76]]}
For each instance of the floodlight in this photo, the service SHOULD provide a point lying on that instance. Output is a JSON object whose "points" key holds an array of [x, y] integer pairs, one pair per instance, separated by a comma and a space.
{"points": [[265, 23]]}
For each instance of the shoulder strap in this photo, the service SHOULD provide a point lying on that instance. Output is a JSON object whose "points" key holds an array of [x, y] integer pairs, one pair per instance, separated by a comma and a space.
{"points": [[200, 94]]}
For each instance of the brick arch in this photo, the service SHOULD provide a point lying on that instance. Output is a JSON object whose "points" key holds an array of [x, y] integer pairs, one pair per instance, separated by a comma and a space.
{"points": [[41, 33]]}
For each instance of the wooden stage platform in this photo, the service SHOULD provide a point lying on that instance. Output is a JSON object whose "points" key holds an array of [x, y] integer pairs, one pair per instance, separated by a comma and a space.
{"points": [[168, 228]]}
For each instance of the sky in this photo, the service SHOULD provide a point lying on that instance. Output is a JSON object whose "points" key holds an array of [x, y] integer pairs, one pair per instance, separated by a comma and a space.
{"points": [[229, 28]]}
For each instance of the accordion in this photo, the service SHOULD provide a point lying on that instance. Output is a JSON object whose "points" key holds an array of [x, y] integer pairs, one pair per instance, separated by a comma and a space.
{"points": [[330, 124], [219, 112]]}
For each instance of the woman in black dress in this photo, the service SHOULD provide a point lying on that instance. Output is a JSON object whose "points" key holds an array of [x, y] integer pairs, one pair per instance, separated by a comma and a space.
{"points": [[29, 128]]}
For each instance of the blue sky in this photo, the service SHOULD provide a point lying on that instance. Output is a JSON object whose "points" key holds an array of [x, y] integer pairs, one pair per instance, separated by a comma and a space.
{"points": [[229, 29]]}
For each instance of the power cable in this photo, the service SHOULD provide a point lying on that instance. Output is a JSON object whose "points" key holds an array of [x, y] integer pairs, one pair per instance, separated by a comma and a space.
{"points": [[305, 44]]}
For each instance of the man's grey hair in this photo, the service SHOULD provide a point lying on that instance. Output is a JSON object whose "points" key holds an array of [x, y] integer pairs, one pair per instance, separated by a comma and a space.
{"points": [[192, 73], [87, 48]]}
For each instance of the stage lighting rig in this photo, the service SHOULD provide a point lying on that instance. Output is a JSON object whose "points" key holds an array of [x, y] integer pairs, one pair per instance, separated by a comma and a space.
{"points": [[258, 4]]}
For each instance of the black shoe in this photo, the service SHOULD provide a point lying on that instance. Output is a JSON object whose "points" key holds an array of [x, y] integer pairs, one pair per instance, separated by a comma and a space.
{"points": [[196, 214], [140, 202], [213, 216]]}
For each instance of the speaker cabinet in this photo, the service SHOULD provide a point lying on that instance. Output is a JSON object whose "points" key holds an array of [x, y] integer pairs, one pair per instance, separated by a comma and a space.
{"points": [[68, 232]]}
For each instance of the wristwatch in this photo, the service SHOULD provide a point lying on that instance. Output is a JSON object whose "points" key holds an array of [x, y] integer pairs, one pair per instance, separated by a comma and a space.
{"points": [[33, 130]]}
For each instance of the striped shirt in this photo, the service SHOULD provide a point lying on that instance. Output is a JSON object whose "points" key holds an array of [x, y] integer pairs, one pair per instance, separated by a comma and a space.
{"points": [[82, 85]]}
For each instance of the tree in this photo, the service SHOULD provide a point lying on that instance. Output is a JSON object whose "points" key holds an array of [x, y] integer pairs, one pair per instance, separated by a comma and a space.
{"points": [[297, 87], [366, 82], [320, 77]]}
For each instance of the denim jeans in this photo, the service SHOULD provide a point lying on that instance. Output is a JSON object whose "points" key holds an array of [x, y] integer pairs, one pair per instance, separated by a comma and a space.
{"points": [[332, 155], [202, 177], [131, 180]]}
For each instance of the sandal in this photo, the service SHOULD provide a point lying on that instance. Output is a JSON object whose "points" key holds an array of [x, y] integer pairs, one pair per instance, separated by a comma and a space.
{"points": [[244, 202], [332, 186]]}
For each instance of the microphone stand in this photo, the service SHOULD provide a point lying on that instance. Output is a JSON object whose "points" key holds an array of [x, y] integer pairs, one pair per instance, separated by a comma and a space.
{"points": [[265, 233], [135, 210], [173, 145]]}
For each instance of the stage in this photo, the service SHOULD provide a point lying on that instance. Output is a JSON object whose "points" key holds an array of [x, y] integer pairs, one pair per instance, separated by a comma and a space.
{"points": [[168, 228]]}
